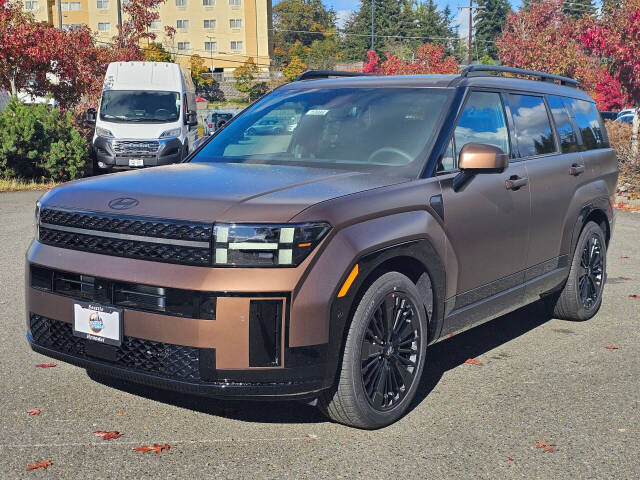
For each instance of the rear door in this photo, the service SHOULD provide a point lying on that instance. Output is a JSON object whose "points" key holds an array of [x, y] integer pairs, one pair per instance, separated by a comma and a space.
{"points": [[549, 144], [486, 223]]}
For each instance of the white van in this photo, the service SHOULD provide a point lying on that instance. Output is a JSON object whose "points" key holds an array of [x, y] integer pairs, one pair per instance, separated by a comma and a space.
{"points": [[146, 116]]}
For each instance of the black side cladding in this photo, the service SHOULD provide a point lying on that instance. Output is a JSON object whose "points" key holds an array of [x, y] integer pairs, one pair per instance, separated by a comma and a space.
{"points": [[265, 323]]}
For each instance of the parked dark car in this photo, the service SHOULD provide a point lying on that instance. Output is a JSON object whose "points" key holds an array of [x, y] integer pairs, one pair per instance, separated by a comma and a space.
{"points": [[320, 264]]}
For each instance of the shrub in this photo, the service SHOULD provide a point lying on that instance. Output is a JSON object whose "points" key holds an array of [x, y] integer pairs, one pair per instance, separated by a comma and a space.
{"points": [[629, 167], [38, 141]]}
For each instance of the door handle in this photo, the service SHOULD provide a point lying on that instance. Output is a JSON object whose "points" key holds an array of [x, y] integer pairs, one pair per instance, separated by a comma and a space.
{"points": [[576, 169], [515, 182]]}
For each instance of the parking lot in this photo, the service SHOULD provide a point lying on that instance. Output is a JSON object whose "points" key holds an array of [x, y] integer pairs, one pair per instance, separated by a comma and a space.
{"points": [[541, 380]]}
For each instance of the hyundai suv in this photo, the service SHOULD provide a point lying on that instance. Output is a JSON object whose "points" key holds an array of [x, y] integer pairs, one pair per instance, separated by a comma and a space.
{"points": [[320, 262]]}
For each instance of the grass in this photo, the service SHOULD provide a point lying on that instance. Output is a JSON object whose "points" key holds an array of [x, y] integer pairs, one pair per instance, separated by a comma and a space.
{"points": [[21, 185]]}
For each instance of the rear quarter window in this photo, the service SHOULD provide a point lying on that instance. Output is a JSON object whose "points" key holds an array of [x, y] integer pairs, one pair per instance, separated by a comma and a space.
{"points": [[589, 123], [533, 128]]}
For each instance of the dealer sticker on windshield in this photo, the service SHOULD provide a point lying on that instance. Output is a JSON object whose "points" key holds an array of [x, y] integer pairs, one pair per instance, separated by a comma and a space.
{"points": [[98, 323]]}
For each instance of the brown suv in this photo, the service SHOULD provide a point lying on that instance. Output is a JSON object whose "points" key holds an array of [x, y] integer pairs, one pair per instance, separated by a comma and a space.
{"points": [[320, 261]]}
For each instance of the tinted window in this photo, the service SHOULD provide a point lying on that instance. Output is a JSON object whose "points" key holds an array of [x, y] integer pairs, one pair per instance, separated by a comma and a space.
{"points": [[564, 127], [589, 122], [139, 106], [533, 128], [482, 121], [349, 128]]}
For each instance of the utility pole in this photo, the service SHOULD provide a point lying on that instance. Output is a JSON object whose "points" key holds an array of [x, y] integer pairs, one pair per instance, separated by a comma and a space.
{"points": [[471, 7], [373, 9], [119, 14]]}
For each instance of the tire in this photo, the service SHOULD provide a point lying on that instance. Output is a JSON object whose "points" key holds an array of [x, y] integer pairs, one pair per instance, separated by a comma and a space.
{"points": [[354, 400], [581, 296]]}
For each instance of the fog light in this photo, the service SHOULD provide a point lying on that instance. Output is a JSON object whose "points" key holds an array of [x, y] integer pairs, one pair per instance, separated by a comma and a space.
{"points": [[101, 164]]}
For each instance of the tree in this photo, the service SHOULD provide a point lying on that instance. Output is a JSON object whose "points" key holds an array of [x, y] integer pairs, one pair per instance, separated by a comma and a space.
{"points": [[616, 38], [489, 24], [296, 67], [431, 58], [293, 19], [578, 8], [245, 77], [435, 26], [198, 68], [155, 52]]}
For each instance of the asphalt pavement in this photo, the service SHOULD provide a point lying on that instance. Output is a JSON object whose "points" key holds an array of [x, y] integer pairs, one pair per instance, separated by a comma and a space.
{"points": [[541, 380]]}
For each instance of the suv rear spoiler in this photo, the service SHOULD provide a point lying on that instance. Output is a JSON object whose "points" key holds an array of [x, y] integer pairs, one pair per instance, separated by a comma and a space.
{"points": [[540, 76], [314, 74]]}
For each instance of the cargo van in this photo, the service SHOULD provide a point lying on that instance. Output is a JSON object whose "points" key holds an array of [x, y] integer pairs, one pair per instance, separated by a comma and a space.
{"points": [[146, 116]]}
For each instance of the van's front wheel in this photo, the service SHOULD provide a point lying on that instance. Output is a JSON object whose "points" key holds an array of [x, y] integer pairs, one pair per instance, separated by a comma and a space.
{"points": [[383, 356]]}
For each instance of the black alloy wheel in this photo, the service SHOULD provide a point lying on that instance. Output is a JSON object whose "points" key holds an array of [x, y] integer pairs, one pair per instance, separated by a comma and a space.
{"points": [[590, 274], [390, 351]]}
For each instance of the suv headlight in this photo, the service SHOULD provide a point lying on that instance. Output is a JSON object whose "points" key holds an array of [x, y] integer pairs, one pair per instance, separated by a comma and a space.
{"points": [[103, 132], [286, 245], [174, 132]]}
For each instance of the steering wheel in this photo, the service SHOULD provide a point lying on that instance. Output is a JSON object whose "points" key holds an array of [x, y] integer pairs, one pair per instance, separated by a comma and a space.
{"points": [[162, 111], [397, 151]]}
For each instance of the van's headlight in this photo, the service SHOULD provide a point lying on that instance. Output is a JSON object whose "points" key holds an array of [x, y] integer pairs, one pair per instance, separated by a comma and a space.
{"points": [[103, 132], [174, 132], [245, 245]]}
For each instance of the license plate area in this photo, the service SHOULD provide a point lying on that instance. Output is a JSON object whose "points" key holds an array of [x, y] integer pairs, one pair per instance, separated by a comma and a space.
{"points": [[136, 162], [98, 323]]}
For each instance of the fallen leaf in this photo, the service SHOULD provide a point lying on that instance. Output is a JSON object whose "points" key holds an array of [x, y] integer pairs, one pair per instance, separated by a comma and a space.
{"points": [[625, 278], [472, 361], [623, 256], [46, 365], [33, 411], [549, 449], [121, 413], [634, 295], [622, 430], [107, 435], [542, 444], [43, 464], [449, 335], [510, 459], [156, 448], [312, 436], [611, 347]]}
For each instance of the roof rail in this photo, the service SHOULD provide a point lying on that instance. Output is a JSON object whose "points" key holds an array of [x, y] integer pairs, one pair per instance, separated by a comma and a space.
{"points": [[313, 74], [541, 76]]}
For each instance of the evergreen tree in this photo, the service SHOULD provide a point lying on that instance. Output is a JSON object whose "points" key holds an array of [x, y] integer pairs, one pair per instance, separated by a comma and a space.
{"points": [[489, 23], [292, 19], [578, 8]]}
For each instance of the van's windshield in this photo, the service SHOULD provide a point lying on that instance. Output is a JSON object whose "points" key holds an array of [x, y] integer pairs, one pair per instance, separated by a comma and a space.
{"points": [[139, 106], [351, 128]]}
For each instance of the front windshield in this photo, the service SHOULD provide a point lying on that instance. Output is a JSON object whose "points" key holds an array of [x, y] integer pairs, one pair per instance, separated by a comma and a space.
{"points": [[139, 106], [351, 128]]}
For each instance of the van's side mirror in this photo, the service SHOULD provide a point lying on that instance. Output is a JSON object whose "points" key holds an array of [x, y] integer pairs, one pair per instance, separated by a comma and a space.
{"points": [[90, 116], [192, 118], [479, 158]]}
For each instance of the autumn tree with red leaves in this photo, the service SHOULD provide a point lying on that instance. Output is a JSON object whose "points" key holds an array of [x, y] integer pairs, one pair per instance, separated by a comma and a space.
{"points": [[615, 37], [430, 58]]}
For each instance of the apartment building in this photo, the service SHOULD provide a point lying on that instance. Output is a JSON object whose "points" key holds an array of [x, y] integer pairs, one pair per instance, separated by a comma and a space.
{"points": [[224, 32]]}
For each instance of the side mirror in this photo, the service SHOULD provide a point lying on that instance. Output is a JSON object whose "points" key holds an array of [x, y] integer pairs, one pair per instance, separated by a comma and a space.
{"points": [[191, 118], [90, 116], [479, 158]]}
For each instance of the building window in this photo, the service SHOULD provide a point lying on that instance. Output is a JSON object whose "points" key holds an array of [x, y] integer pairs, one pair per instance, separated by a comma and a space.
{"points": [[181, 3], [208, 3], [71, 26], [73, 6], [104, 26], [184, 46], [235, 3], [156, 25], [235, 23], [210, 46], [236, 45], [182, 24], [103, 4], [209, 24], [31, 5]]}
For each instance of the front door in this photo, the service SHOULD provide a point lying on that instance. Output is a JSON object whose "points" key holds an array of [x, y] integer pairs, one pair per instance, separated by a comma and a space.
{"points": [[487, 222]]}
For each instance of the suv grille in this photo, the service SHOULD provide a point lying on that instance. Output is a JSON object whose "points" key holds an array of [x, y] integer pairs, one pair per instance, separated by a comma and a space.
{"points": [[157, 358], [137, 148], [169, 241]]}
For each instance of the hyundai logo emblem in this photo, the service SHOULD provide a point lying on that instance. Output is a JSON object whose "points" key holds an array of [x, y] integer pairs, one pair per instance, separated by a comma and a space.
{"points": [[123, 203]]}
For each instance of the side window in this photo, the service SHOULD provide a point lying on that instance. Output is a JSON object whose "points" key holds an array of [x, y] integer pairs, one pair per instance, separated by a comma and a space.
{"points": [[482, 121], [590, 124], [564, 127], [533, 128], [447, 162]]}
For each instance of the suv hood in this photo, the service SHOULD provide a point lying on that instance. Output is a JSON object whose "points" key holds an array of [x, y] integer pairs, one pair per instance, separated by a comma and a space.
{"points": [[224, 192]]}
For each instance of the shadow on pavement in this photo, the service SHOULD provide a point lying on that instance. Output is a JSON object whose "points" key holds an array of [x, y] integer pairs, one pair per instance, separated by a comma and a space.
{"points": [[441, 357]]}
